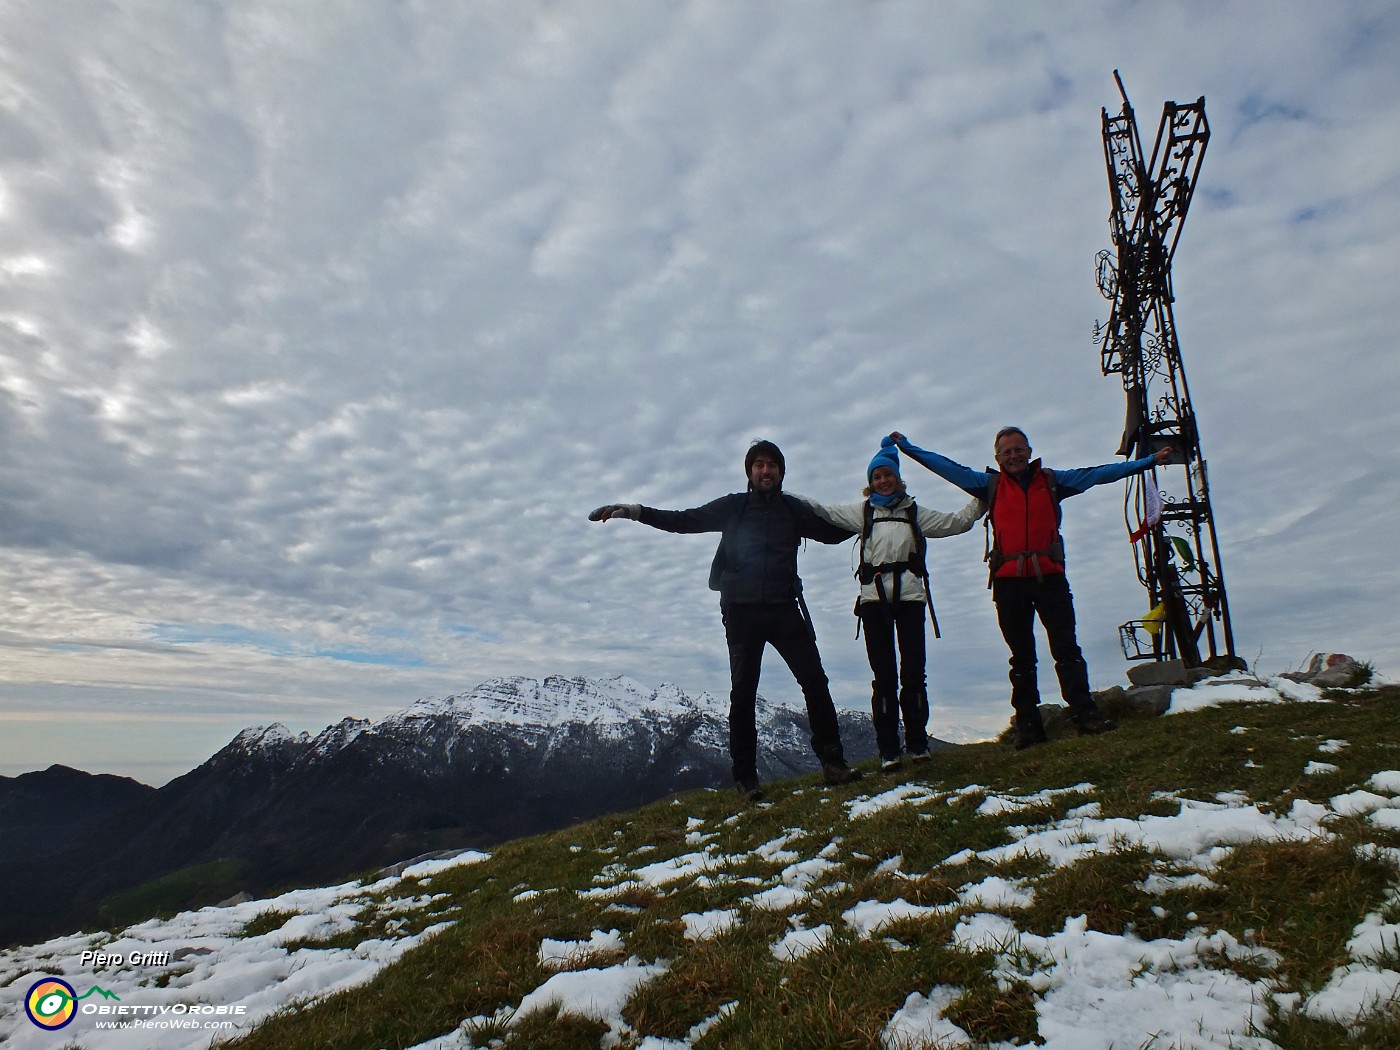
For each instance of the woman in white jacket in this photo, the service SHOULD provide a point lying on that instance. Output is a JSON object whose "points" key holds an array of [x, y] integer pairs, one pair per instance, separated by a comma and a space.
{"points": [[893, 597]]}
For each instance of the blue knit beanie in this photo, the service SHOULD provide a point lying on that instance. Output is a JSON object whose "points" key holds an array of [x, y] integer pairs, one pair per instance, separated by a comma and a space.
{"points": [[888, 456]]}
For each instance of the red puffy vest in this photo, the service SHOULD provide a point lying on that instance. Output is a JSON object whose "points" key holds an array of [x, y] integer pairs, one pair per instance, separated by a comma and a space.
{"points": [[1025, 523]]}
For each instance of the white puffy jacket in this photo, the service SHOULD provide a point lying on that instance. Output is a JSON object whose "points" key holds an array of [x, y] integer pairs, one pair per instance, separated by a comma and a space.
{"points": [[891, 538]]}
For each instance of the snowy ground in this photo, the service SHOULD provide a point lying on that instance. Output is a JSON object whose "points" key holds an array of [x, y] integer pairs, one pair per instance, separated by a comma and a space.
{"points": [[1094, 990]]}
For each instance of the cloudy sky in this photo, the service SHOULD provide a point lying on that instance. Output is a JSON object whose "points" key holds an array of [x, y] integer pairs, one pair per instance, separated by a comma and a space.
{"points": [[323, 326]]}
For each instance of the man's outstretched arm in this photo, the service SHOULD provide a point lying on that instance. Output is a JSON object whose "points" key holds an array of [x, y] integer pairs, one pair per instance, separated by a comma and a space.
{"points": [[1077, 479], [608, 511], [816, 526], [844, 515], [709, 518], [973, 482]]}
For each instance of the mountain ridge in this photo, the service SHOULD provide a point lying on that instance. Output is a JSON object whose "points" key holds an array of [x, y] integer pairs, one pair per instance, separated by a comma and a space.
{"points": [[515, 756]]}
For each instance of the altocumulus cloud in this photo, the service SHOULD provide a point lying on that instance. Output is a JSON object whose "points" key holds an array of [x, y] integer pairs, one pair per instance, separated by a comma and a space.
{"points": [[322, 328]]}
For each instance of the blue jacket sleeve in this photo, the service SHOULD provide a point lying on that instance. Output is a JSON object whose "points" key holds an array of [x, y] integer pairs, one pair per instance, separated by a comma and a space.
{"points": [[1075, 480], [973, 482]]}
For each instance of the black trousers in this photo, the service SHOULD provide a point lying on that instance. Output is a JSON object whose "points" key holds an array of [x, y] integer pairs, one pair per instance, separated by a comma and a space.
{"points": [[747, 629], [1019, 600], [899, 687]]}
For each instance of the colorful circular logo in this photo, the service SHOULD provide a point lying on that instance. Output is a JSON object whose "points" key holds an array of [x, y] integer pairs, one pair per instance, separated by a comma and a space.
{"points": [[51, 1003]]}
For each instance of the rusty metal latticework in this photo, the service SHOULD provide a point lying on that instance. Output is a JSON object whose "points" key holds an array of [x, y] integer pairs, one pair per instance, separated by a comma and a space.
{"points": [[1178, 559]]}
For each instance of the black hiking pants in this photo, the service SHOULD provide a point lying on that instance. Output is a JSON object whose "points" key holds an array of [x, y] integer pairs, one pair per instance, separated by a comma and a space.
{"points": [[904, 681], [1019, 600], [747, 629]]}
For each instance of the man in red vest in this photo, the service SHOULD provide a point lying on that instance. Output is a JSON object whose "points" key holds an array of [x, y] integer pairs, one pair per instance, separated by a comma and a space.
{"points": [[1027, 562]]}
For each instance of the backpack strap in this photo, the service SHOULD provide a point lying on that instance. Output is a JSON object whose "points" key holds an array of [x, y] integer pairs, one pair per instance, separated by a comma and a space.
{"points": [[917, 564], [990, 554], [921, 551], [792, 505], [722, 561]]}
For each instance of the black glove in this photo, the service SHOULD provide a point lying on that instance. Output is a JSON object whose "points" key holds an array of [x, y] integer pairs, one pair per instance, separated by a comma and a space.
{"points": [[616, 510]]}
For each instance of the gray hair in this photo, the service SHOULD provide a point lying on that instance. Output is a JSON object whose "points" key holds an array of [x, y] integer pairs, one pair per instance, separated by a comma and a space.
{"points": [[1009, 430]]}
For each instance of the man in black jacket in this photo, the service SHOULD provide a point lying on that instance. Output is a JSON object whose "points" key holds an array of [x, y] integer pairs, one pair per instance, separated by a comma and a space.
{"points": [[755, 572]]}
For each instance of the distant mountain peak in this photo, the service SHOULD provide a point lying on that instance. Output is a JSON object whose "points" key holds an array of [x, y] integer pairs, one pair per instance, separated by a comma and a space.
{"points": [[263, 738], [555, 701], [335, 737]]}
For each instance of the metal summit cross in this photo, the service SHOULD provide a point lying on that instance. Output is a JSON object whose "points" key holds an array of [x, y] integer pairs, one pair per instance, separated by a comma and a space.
{"points": [[1180, 568]]}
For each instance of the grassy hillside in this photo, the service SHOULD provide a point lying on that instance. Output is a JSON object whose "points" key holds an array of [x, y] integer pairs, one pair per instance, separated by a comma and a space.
{"points": [[810, 920]]}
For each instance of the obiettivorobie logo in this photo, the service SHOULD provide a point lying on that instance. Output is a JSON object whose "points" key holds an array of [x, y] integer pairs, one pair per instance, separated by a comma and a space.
{"points": [[53, 1003]]}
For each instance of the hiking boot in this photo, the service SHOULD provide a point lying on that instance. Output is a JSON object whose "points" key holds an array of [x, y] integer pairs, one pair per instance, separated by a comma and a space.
{"points": [[1030, 730], [1091, 723], [750, 788], [839, 773], [889, 765], [920, 756]]}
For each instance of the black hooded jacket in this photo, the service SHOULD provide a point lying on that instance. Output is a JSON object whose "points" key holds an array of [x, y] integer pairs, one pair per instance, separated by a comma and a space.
{"points": [[758, 551]]}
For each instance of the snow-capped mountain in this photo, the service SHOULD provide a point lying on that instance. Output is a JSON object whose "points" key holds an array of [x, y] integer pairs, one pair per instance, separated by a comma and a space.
{"points": [[513, 757], [558, 701], [559, 727], [564, 719]]}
